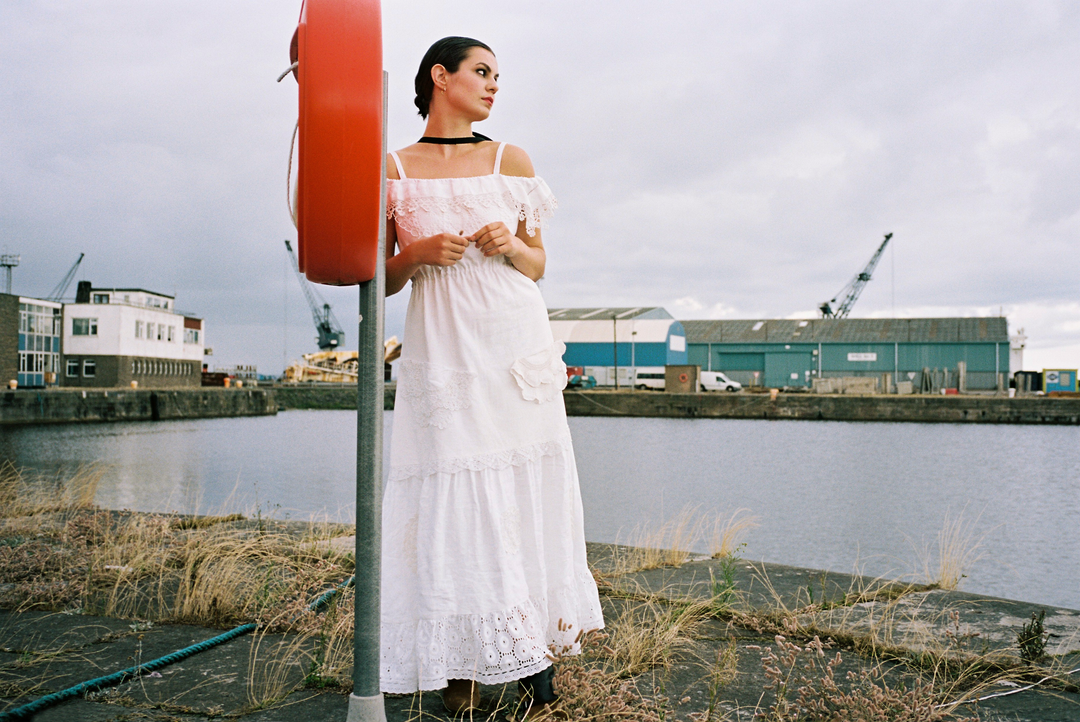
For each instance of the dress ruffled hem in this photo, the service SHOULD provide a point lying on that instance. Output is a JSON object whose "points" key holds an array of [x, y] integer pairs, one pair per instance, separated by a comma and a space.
{"points": [[493, 648]]}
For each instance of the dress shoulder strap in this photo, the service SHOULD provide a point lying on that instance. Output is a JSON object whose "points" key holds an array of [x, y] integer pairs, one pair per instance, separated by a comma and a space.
{"points": [[498, 158], [397, 162]]}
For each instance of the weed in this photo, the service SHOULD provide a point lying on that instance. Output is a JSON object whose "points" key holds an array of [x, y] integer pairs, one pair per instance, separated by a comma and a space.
{"points": [[723, 590], [802, 682], [1032, 638]]}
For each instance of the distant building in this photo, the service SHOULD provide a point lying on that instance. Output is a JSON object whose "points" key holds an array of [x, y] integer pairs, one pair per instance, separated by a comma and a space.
{"points": [[786, 352], [113, 336], [601, 339], [29, 341]]}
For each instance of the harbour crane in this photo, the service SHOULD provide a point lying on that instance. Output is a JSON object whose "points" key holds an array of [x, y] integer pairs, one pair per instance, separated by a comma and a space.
{"points": [[850, 292], [330, 336], [62, 287]]}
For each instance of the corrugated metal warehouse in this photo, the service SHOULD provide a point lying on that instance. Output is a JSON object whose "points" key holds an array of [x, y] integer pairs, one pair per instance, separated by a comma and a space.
{"points": [[785, 352], [643, 336]]}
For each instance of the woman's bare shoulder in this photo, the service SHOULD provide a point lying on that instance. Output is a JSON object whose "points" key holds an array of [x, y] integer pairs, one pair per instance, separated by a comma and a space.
{"points": [[516, 161], [391, 166]]}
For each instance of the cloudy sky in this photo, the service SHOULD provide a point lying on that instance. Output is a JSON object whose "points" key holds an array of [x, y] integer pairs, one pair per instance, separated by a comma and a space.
{"points": [[721, 159]]}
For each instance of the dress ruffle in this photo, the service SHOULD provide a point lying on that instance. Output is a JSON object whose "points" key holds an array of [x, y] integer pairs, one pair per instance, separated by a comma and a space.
{"points": [[423, 207]]}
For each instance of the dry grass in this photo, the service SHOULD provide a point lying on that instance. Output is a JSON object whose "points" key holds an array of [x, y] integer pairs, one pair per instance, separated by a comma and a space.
{"points": [[59, 552], [671, 544], [959, 546], [649, 635], [802, 686], [666, 546], [25, 494], [727, 535]]}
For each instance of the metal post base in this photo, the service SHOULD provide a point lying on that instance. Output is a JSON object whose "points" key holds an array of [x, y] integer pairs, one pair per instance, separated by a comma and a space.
{"points": [[366, 709]]}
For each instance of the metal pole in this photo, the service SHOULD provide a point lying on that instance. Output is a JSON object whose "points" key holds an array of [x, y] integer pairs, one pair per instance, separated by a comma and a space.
{"points": [[615, 348], [366, 700]]}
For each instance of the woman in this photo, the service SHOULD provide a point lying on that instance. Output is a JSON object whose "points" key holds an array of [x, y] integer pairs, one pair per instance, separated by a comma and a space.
{"points": [[484, 562]]}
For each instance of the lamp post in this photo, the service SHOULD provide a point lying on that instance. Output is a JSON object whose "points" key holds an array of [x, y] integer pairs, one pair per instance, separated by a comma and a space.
{"points": [[615, 347]]}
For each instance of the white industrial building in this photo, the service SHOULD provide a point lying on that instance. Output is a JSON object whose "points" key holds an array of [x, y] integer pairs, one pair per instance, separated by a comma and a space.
{"points": [[628, 343], [113, 336]]}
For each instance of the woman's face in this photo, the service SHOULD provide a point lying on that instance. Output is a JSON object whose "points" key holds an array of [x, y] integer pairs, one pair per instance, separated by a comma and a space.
{"points": [[471, 90]]}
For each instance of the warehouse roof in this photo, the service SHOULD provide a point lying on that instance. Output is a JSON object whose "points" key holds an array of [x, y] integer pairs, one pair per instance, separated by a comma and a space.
{"points": [[606, 314], [850, 330]]}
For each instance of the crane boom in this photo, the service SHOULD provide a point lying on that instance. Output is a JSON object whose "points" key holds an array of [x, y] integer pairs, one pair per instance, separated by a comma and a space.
{"points": [[850, 292], [62, 287], [330, 334]]}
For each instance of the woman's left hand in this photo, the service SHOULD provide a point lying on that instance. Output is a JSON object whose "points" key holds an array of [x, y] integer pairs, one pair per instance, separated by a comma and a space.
{"points": [[495, 239]]}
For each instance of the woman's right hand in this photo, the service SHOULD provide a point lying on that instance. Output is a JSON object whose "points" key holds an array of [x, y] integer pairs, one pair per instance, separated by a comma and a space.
{"points": [[443, 249]]}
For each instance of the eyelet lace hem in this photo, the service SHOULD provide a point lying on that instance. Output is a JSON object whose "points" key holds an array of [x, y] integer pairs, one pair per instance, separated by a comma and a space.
{"points": [[493, 648], [495, 460], [542, 376]]}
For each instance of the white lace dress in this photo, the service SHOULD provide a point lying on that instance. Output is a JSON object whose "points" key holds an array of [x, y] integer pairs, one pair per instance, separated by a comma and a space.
{"points": [[483, 542]]}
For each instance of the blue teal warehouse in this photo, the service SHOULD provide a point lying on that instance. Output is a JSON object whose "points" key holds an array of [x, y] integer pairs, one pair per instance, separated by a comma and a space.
{"points": [[925, 352]]}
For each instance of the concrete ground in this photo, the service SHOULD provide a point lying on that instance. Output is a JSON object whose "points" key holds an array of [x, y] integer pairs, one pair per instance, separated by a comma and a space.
{"points": [[255, 678]]}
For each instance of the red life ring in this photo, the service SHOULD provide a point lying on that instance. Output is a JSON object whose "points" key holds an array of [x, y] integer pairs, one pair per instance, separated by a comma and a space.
{"points": [[684, 377], [340, 196]]}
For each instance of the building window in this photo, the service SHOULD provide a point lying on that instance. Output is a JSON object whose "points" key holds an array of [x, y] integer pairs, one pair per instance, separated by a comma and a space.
{"points": [[139, 329], [191, 335], [101, 298], [172, 333], [84, 327], [89, 368], [73, 368], [150, 331], [160, 331]]}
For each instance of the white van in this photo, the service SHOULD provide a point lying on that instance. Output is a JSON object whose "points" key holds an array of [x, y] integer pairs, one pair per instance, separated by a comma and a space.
{"points": [[716, 381]]}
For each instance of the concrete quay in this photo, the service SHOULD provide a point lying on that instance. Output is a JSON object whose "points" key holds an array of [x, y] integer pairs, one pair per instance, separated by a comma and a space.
{"points": [[89, 405], [826, 407], [900, 633], [58, 406]]}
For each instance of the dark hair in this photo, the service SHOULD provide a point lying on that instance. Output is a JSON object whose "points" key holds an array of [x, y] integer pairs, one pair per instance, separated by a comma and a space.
{"points": [[448, 52]]}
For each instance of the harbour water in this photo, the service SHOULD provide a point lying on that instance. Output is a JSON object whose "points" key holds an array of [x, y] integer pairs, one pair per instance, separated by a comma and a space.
{"points": [[829, 495]]}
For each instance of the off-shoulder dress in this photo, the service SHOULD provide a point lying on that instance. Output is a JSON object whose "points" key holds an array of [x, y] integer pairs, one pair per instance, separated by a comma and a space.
{"points": [[484, 561]]}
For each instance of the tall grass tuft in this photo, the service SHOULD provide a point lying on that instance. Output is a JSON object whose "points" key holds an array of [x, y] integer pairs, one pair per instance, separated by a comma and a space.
{"points": [[727, 534], [668, 545], [958, 548], [24, 493]]}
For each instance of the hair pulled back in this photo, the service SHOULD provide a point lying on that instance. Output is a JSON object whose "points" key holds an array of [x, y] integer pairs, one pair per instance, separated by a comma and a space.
{"points": [[448, 52]]}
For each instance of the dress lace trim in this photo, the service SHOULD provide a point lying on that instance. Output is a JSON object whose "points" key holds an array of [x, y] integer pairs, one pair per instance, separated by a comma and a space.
{"points": [[542, 376], [410, 211], [435, 392], [495, 460], [493, 648]]}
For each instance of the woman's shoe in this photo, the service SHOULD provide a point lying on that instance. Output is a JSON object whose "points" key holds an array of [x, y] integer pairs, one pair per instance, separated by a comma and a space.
{"points": [[461, 695]]}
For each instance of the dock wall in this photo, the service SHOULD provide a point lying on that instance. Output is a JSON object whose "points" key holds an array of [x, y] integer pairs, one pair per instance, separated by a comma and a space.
{"points": [[87, 405], [947, 409], [325, 396], [76, 405]]}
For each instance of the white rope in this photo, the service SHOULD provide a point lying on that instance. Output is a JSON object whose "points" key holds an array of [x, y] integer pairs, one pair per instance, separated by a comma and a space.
{"points": [[288, 178], [288, 70], [1003, 694]]}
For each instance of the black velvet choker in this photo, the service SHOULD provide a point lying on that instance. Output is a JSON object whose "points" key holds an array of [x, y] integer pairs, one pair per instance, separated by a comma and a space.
{"points": [[475, 138]]}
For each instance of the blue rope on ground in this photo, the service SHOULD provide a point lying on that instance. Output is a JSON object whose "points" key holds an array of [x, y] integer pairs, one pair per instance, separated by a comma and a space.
{"points": [[93, 685], [29, 710], [322, 601]]}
